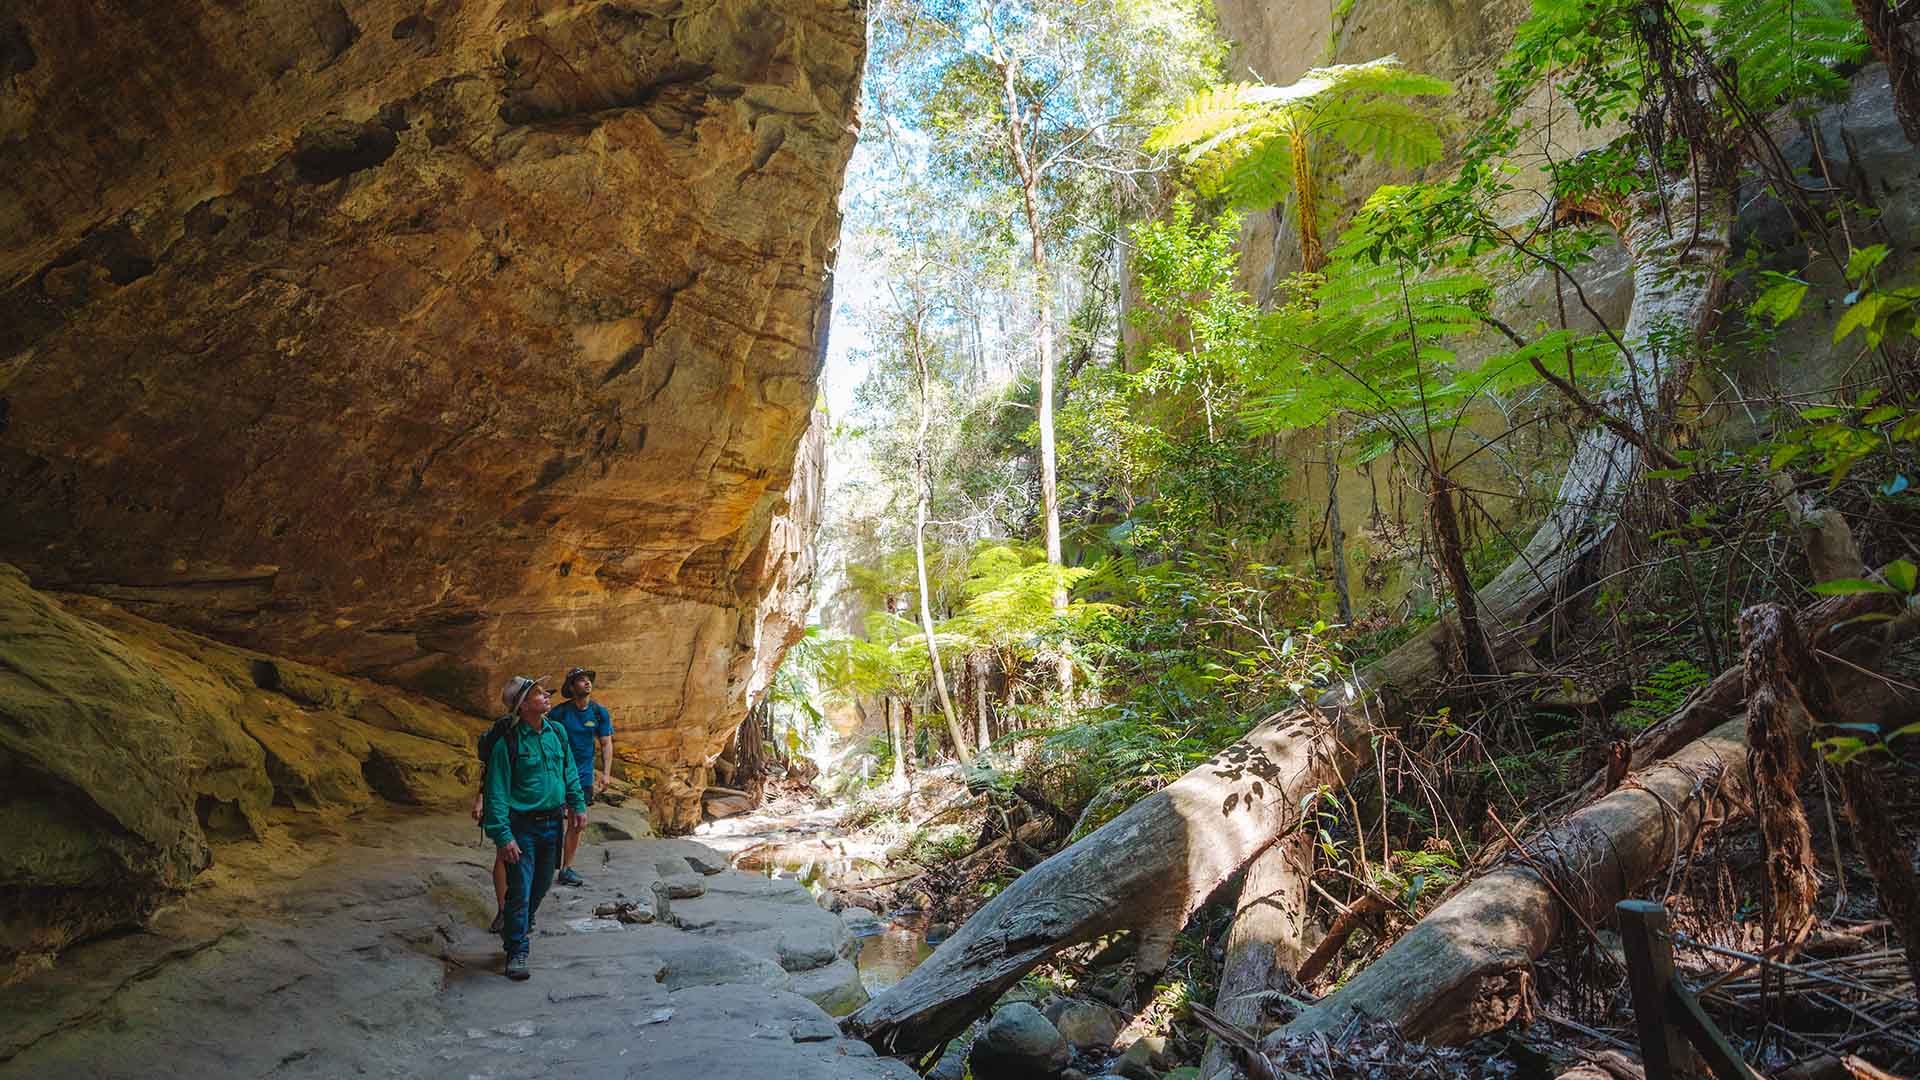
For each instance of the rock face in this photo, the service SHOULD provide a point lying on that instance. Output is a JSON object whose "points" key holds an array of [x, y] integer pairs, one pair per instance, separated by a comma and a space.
{"points": [[427, 342], [129, 751]]}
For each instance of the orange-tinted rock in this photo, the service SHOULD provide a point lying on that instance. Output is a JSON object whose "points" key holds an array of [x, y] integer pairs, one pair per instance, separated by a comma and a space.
{"points": [[427, 343]]}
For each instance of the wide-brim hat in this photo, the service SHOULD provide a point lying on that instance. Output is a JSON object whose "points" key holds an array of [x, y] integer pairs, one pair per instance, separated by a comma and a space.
{"points": [[517, 689]]}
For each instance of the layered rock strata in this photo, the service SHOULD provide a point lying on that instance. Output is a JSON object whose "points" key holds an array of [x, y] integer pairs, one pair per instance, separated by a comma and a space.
{"points": [[131, 751], [426, 340]]}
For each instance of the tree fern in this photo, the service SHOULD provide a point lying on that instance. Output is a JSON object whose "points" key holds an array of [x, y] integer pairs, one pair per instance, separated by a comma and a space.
{"points": [[1788, 50], [1242, 140]]}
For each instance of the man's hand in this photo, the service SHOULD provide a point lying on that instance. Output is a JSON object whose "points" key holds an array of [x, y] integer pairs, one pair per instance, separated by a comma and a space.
{"points": [[511, 852], [578, 819], [479, 806], [600, 782]]}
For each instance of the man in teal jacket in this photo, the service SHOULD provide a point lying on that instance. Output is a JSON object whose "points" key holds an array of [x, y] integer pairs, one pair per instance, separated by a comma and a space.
{"points": [[533, 787]]}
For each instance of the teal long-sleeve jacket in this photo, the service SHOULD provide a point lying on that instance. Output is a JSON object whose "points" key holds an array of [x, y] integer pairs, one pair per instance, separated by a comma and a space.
{"points": [[539, 775]]}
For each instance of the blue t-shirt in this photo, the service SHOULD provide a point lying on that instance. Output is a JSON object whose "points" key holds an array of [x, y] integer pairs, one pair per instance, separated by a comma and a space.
{"points": [[583, 726]]}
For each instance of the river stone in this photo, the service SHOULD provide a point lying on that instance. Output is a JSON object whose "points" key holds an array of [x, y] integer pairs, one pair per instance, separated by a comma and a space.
{"points": [[1084, 1023], [803, 948], [684, 887], [711, 963], [725, 806], [1018, 1043], [1144, 1059], [861, 922], [835, 987]]}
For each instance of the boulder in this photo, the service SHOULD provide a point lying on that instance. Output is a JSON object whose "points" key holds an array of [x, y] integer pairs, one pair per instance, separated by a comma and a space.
{"points": [[1085, 1024], [1143, 1059], [1018, 1043], [725, 806], [129, 751]]}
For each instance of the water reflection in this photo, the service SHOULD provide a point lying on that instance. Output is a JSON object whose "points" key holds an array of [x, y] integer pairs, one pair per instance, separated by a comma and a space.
{"points": [[887, 956], [890, 945]]}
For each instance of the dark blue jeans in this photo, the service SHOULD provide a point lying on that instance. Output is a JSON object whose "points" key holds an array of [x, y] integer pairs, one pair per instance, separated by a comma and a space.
{"points": [[529, 879]]}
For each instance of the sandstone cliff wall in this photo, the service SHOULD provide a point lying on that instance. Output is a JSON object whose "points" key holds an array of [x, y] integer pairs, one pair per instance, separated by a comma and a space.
{"points": [[425, 340]]}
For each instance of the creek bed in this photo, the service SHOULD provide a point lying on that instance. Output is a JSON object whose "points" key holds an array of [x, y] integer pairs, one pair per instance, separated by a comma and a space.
{"points": [[890, 946]]}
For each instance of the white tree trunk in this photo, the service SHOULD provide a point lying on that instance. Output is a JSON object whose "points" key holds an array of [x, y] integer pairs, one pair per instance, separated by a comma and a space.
{"points": [[923, 487]]}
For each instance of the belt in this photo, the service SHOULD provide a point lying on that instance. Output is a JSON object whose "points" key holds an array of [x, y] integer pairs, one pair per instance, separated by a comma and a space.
{"points": [[539, 815]]}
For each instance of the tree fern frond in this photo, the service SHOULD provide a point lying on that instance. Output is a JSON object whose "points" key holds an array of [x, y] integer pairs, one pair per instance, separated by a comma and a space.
{"points": [[1786, 50], [1384, 75], [1206, 114], [1392, 131]]}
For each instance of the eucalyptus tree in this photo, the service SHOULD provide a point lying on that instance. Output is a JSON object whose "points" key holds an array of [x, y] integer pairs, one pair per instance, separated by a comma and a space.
{"points": [[1044, 102]]}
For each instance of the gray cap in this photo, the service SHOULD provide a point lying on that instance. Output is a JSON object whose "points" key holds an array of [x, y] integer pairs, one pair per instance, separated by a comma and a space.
{"points": [[516, 691]]}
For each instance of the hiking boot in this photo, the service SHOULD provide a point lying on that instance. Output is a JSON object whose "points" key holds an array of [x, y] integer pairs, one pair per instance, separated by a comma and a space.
{"points": [[498, 923], [517, 968], [568, 877]]}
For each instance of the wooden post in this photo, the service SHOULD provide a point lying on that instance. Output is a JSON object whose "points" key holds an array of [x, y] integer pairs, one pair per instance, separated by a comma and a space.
{"points": [[1722, 1060], [1644, 935]]}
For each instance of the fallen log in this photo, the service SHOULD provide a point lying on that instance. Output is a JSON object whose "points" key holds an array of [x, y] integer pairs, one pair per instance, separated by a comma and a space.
{"points": [[1145, 871], [1265, 942], [1466, 969]]}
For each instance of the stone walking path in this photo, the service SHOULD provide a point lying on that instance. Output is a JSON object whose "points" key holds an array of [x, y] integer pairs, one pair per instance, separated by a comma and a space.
{"points": [[376, 962]]}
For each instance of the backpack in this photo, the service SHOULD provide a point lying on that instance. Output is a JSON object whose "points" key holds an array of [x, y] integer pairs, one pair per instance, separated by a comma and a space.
{"points": [[506, 727]]}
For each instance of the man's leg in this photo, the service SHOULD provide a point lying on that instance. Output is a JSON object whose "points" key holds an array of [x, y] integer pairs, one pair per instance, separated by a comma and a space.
{"points": [[543, 858], [520, 897], [572, 841], [572, 845], [499, 892]]}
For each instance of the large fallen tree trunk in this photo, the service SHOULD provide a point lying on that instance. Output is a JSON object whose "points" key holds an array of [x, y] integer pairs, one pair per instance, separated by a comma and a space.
{"points": [[1466, 968], [1146, 871], [1151, 867], [1265, 941]]}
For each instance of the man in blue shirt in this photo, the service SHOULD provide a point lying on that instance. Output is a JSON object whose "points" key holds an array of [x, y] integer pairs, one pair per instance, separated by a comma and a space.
{"points": [[590, 732], [532, 785]]}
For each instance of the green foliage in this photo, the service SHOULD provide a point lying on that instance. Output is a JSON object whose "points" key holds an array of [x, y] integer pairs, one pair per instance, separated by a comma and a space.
{"points": [[1835, 439], [1413, 875], [1662, 692], [1785, 50], [1877, 314], [1242, 140]]}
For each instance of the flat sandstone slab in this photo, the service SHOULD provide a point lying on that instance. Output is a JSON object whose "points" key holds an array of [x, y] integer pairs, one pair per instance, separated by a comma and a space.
{"points": [[377, 963]]}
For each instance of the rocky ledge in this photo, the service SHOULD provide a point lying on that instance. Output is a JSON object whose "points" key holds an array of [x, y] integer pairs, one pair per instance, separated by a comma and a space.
{"points": [[377, 962]]}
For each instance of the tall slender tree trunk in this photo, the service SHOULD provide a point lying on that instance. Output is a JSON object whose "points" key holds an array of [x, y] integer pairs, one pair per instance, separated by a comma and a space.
{"points": [[923, 485], [1306, 211], [896, 738], [1336, 536], [1453, 563], [977, 662], [1043, 332]]}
